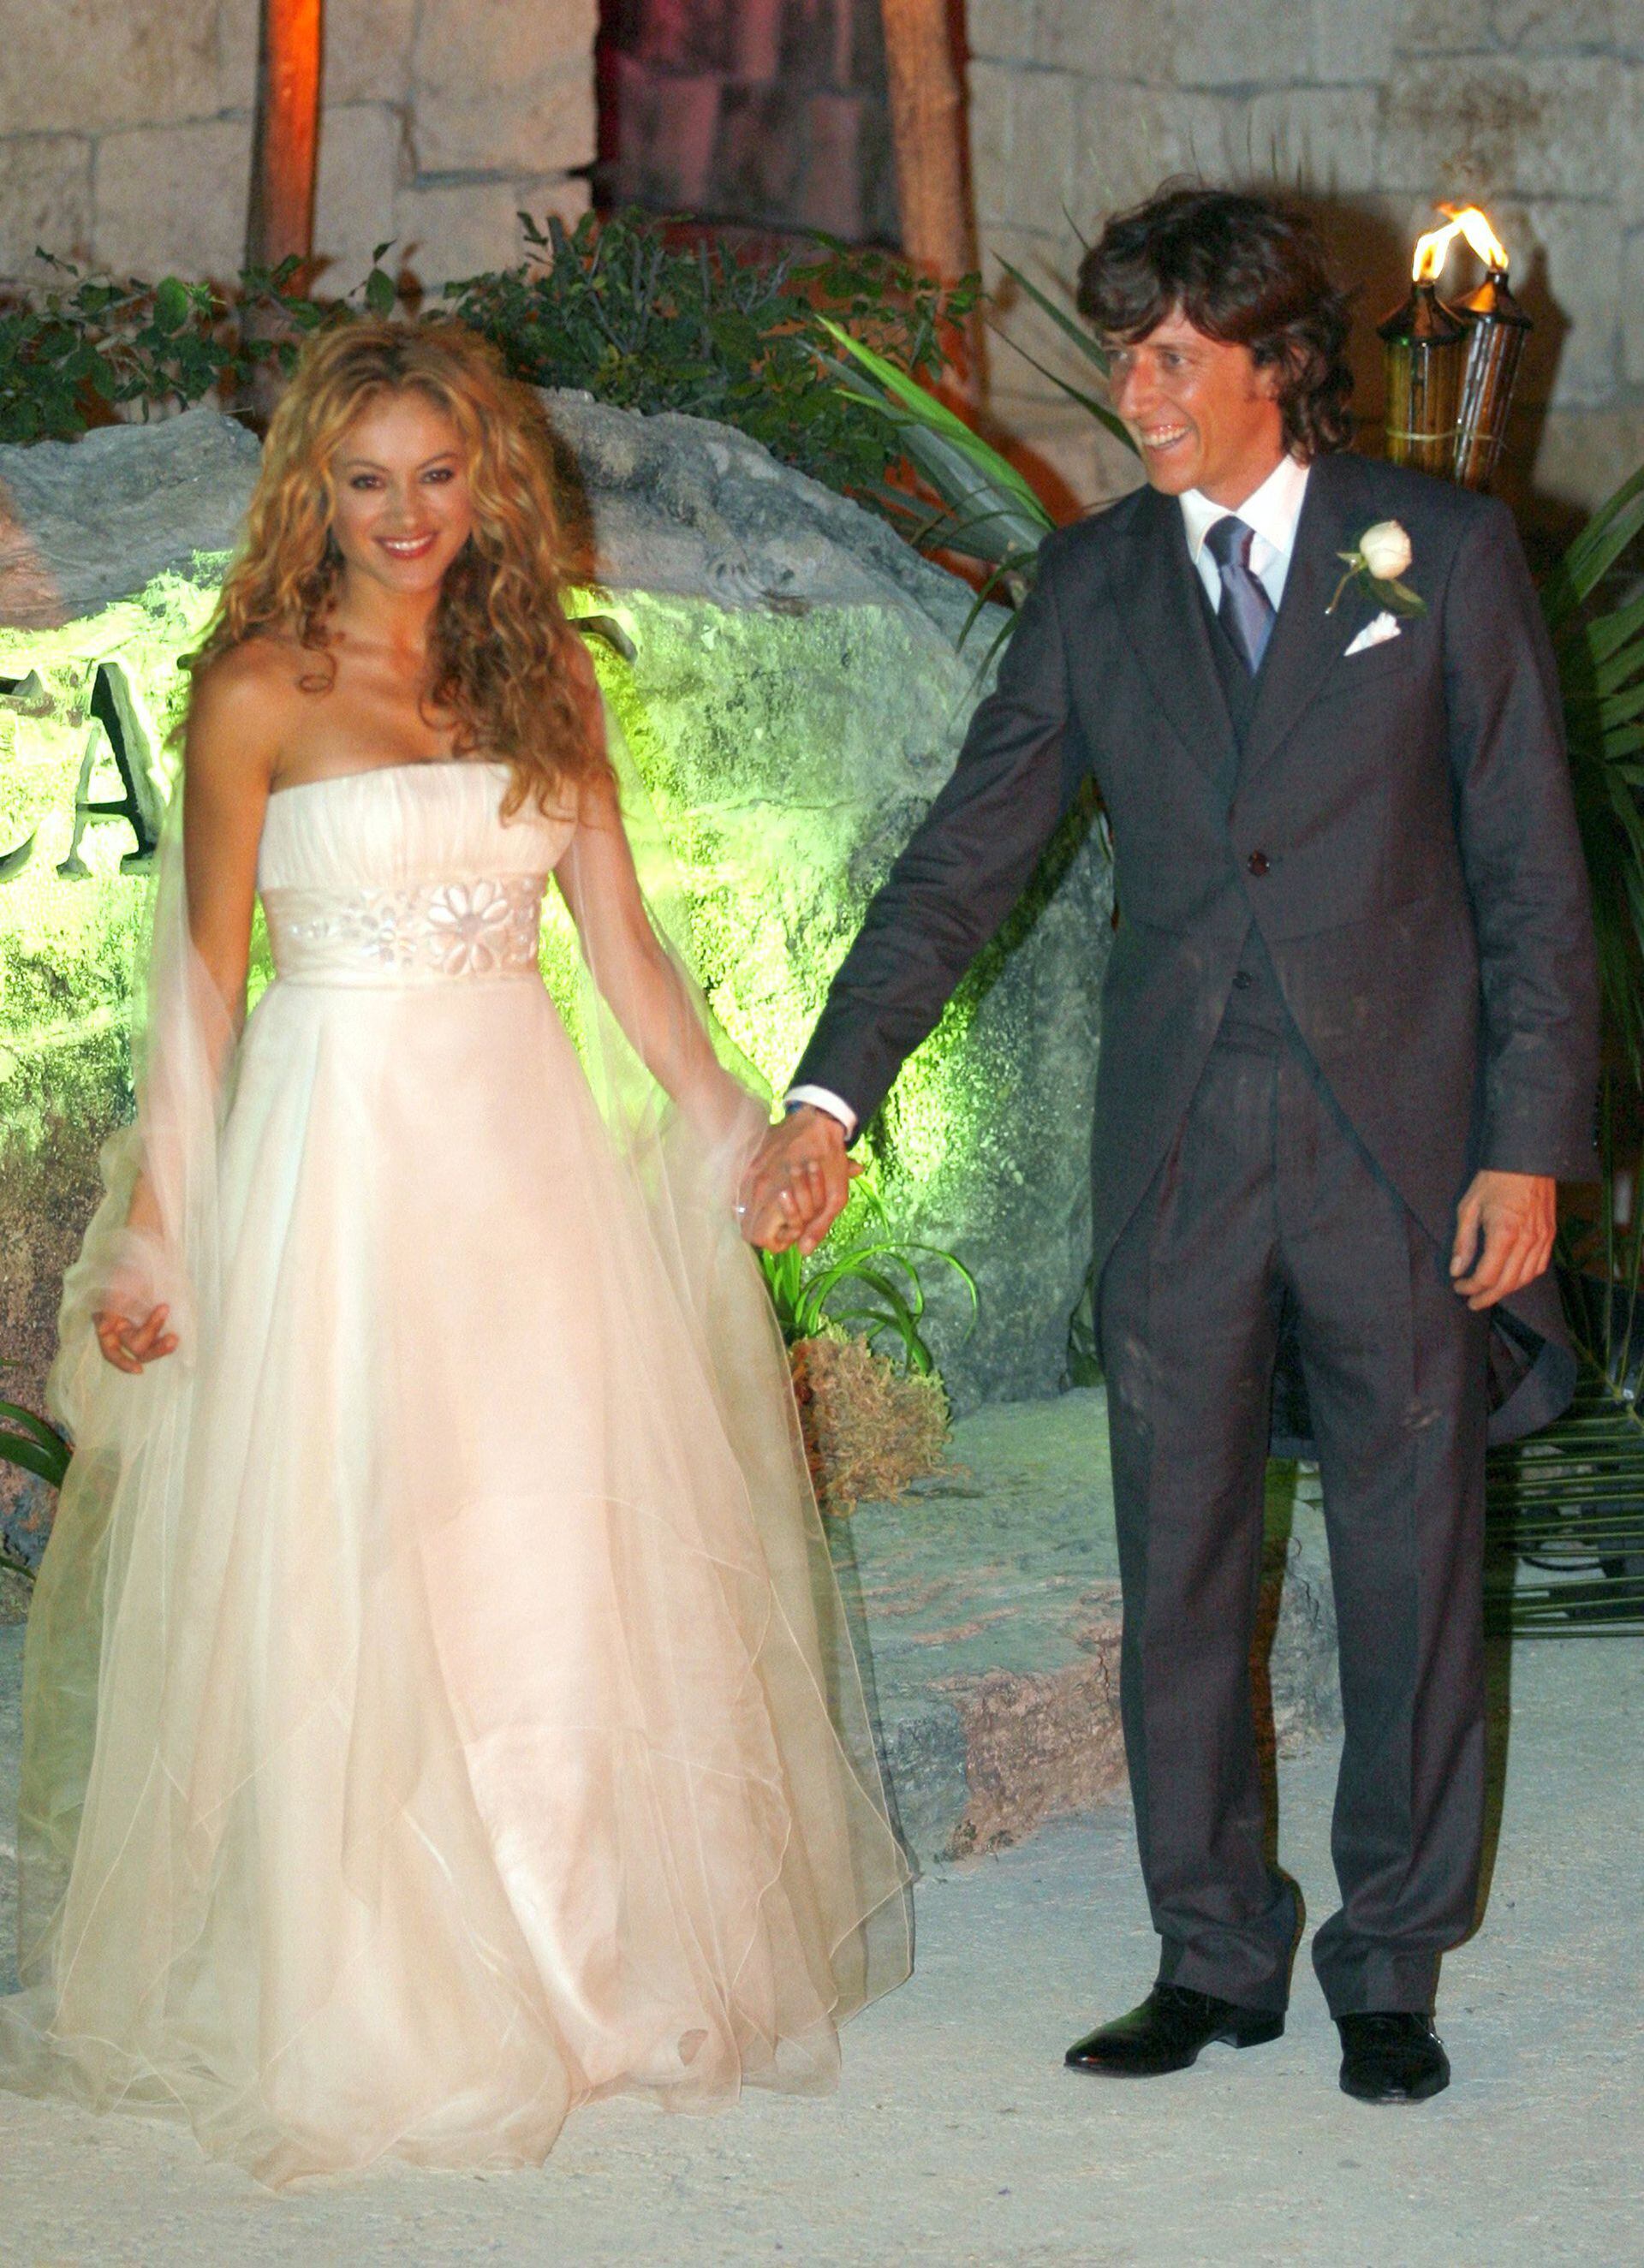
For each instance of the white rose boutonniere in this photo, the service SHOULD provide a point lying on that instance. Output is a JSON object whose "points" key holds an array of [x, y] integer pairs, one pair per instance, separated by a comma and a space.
{"points": [[1381, 559]]}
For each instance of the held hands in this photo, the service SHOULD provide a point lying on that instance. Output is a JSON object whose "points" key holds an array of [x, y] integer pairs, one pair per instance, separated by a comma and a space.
{"points": [[1504, 1230], [796, 1187]]}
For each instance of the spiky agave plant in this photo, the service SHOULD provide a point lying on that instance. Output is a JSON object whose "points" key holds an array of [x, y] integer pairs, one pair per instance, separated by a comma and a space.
{"points": [[867, 1279]]}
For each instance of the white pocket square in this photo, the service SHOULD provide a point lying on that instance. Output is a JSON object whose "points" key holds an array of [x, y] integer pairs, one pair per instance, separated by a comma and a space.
{"points": [[1375, 633]]}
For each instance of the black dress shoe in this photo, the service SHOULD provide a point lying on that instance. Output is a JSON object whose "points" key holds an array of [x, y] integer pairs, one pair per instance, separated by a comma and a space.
{"points": [[1167, 2032], [1394, 2057]]}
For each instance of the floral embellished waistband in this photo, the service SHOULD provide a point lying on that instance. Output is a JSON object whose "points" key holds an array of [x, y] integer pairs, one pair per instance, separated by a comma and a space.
{"points": [[422, 934]]}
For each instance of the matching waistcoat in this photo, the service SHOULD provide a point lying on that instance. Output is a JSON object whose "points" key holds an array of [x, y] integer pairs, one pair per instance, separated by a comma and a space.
{"points": [[1256, 1007]]}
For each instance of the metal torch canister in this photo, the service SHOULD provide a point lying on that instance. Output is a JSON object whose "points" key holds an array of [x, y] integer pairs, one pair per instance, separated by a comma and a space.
{"points": [[1426, 349], [1497, 329]]}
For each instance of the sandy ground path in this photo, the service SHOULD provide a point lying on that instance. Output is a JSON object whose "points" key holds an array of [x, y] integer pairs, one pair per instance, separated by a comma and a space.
{"points": [[958, 2138]]}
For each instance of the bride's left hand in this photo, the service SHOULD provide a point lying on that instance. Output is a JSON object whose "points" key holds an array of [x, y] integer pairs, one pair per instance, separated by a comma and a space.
{"points": [[128, 1345]]}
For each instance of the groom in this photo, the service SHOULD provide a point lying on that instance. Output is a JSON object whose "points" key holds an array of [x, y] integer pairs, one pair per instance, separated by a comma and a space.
{"points": [[1348, 1046]]}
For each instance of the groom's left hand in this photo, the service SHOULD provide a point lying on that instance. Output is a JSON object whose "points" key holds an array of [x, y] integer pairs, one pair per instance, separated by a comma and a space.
{"points": [[1504, 1231]]}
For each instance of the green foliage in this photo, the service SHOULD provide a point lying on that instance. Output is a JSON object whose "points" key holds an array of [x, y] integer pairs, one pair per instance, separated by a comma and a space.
{"points": [[1600, 652], [614, 308], [90, 347], [986, 510], [29, 1443], [1085, 343], [866, 1279], [1569, 1501]]}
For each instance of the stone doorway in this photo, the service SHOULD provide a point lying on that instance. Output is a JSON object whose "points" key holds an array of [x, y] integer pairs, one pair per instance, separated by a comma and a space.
{"points": [[765, 115]]}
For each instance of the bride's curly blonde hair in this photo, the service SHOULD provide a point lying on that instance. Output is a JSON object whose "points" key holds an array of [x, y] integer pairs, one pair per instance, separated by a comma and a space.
{"points": [[503, 660]]}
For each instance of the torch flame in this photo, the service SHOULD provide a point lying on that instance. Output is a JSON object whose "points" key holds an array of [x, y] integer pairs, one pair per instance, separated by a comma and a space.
{"points": [[1432, 249], [1475, 226]]}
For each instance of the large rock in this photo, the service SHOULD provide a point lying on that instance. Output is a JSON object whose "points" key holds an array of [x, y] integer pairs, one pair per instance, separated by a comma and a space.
{"points": [[85, 524], [987, 1605], [797, 693], [682, 504]]}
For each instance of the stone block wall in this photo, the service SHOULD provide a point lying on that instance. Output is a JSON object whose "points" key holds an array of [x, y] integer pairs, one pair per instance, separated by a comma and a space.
{"points": [[125, 131], [1371, 108], [768, 113]]}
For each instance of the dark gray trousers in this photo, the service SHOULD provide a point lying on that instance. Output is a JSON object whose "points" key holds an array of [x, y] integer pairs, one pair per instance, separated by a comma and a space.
{"points": [[1266, 1191]]}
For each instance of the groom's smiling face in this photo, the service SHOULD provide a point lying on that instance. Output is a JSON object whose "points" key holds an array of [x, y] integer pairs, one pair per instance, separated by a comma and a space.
{"points": [[1203, 414]]}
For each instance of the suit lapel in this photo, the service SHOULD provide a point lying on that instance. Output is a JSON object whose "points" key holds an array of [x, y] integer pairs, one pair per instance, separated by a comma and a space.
{"points": [[1307, 641], [1159, 606]]}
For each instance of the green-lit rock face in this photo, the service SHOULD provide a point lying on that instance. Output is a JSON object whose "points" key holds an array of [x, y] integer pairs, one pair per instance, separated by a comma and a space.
{"points": [[790, 759], [73, 895], [796, 699]]}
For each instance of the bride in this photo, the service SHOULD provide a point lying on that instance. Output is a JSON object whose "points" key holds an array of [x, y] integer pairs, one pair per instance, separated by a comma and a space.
{"points": [[438, 1709]]}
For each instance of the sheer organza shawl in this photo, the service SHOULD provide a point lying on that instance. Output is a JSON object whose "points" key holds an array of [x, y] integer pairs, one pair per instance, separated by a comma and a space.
{"points": [[154, 1977]]}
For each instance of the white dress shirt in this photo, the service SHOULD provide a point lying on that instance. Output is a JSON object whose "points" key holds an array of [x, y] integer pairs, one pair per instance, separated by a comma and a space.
{"points": [[1273, 510]]}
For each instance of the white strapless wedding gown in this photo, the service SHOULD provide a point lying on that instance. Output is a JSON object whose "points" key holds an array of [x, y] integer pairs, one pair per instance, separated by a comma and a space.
{"points": [[465, 1727]]}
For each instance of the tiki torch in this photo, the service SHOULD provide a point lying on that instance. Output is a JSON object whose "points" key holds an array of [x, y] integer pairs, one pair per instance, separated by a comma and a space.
{"points": [[1497, 329], [1426, 355]]}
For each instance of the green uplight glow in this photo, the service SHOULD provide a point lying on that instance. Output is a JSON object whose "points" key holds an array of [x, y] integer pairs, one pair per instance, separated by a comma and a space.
{"points": [[748, 730], [785, 758]]}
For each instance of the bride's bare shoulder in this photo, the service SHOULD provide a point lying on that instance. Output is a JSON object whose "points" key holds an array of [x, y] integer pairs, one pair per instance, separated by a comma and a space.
{"points": [[264, 667], [243, 702]]}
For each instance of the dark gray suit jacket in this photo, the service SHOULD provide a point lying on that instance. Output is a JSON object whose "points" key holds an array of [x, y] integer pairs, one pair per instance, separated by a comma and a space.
{"points": [[1399, 827]]}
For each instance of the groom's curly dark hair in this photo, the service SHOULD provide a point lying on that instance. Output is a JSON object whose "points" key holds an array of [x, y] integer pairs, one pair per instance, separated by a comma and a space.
{"points": [[1240, 267]]}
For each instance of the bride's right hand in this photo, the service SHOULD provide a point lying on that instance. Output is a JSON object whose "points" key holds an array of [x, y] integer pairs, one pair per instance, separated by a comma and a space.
{"points": [[128, 1345]]}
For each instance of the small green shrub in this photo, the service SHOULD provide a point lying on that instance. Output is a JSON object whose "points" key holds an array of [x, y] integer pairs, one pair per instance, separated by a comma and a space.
{"points": [[613, 308], [616, 309], [89, 348]]}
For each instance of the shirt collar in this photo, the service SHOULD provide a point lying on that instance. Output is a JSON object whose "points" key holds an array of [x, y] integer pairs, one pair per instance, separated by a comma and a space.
{"points": [[1273, 510]]}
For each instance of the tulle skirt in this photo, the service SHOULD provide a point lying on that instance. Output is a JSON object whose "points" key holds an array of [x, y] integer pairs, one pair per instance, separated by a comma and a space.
{"points": [[439, 1709]]}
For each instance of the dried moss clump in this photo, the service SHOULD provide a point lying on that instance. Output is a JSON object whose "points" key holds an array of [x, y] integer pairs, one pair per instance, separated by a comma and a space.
{"points": [[868, 1430]]}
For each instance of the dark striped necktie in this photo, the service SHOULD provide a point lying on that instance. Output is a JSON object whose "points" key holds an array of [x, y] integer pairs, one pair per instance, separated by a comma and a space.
{"points": [[1246, 612]]}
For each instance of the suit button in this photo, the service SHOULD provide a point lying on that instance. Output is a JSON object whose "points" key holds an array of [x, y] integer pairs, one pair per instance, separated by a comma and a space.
{"points": [[1258, 861], [1241, 982]]}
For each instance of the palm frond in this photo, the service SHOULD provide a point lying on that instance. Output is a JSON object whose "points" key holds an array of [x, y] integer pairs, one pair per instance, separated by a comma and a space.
{"points": [[1085, 341], [1087, 403], [934, 417], [1594, 552], [1600, 654], [989, 511], [1569, 1501]]}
